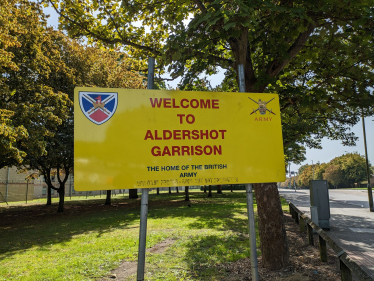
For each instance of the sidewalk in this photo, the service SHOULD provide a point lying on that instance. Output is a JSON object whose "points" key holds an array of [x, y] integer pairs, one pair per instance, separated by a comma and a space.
{"points": [[351, 224]]}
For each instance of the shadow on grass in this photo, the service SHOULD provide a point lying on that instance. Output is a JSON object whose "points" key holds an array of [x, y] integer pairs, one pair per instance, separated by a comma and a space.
{"points": [[24, 226], [205, 255]]}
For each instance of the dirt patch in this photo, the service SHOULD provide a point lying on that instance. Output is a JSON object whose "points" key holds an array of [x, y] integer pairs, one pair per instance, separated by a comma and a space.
{"points": [[161, 247], [127, 268], [304, 261]]}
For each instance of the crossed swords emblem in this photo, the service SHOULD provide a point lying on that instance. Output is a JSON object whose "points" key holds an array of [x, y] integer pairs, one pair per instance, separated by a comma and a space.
{"points": [[262, 107], [98, 104]]}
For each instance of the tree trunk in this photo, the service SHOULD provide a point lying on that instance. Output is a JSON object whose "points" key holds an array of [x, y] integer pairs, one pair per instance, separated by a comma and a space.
{"points": [[177, 189], [274, 248], [210, 191], [158, 191], [49, 195], [219, 189], [61, 195], [133, 194], [204, 188], [108, 199], [231, 188], [187, 195], [169, 189]]}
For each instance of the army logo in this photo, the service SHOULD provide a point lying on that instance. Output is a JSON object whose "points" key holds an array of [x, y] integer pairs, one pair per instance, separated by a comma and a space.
{"points": [[262, 107], [98, 107]]}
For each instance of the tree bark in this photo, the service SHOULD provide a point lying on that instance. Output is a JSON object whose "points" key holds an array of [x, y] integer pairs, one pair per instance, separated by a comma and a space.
{"points": [[133, 194], [219, 189], [210, 191], [158, 191], [169, 189], [187, 195], [108, 199], [231, 189], [177, 189], [274, 248], [49, 195], [61, 195], [204, 188]]}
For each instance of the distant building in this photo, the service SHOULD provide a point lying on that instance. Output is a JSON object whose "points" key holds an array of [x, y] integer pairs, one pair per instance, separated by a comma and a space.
{"points": [[14, 186]]}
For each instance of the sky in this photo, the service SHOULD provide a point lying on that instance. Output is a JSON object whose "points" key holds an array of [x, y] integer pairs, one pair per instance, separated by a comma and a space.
{"points": [[330, 150]]}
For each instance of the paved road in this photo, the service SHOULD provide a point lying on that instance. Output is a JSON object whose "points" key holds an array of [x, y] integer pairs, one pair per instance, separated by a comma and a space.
{"points": [[351, 222]]}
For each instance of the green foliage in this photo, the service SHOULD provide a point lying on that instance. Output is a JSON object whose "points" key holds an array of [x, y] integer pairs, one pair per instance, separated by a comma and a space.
{"points": [[342, 171], [37, 86], [353, 168], [334, 175], [316, 55]]}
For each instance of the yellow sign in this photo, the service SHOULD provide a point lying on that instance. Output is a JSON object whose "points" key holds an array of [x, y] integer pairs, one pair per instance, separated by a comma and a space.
{"points": [[157, 138]]}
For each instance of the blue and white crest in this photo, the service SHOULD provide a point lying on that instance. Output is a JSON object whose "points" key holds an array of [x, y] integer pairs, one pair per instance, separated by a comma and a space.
{"points": [[98, 107]]}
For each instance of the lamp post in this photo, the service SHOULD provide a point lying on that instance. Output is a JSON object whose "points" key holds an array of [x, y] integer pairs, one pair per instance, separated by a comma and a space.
{"points": [[370, 192]]}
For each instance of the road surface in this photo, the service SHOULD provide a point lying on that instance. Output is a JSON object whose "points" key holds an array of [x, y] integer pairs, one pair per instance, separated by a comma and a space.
{"points": [[351, 222]]}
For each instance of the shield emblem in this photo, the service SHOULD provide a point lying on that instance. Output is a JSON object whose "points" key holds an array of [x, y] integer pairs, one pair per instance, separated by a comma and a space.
{"points": [[98, 107]]}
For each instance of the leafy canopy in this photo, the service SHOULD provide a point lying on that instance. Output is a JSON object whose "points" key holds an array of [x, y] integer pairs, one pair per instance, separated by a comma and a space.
{"points": [[315, 54]]}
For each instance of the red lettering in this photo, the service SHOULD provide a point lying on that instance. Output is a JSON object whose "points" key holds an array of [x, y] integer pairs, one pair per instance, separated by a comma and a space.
{"points": [[167, 103], [195, 134], [260, 119], [208, 150], [205, 105], [223, 133], [174, 105], [176, 134], [185, 149], [175, 150], [196, 103], [182, 103], [215, 104], [156, 151], [156, 136], [256, 119], [270, 118], [148, 135], [204, 134], [167, 134], [211, 134], [217, 150], [190, 119], [156, 102], [198, 150], [186, 134], [180, 118], [166, 151]]}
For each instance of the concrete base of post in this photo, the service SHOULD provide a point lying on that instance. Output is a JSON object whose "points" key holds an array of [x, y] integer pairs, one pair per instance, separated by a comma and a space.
{"points": [[314, 215]]}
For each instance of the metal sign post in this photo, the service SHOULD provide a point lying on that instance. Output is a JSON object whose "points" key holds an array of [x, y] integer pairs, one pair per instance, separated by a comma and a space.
{"points": [[248, 188], [144, 201], [370, 192]]}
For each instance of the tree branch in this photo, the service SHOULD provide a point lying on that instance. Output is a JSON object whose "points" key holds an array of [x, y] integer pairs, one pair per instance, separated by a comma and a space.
{"points": [[200, 5], [276, 66], [83, 27]]}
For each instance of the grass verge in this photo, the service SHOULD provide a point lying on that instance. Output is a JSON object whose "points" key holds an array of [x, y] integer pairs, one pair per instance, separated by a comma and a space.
{"points": [[90, 239]]}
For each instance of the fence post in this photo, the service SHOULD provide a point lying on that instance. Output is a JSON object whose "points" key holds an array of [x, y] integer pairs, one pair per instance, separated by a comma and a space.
{"points": [[345, 272], [302, 224], [310, 235], [322, 249]]}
